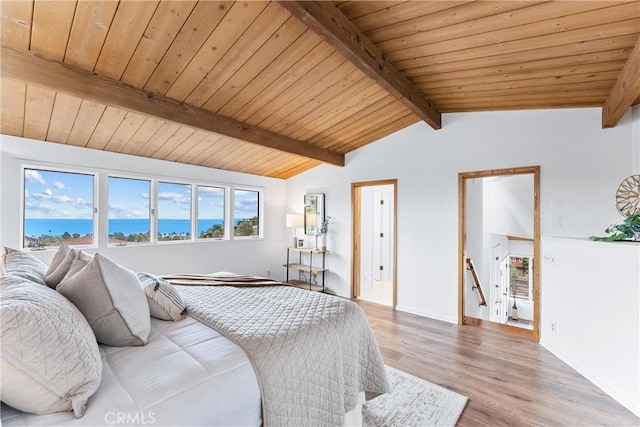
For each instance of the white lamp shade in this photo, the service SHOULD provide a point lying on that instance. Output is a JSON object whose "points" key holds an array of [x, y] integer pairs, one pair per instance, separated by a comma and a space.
{"points": [[295, 220]]}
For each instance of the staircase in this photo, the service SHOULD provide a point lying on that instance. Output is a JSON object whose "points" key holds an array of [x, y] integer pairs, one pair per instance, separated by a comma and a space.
{"points": [[476, 280]]}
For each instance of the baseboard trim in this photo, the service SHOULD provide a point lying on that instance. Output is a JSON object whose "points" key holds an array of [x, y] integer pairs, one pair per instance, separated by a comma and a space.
{"points": [[594, 379], [487, 324], [426, 314]]}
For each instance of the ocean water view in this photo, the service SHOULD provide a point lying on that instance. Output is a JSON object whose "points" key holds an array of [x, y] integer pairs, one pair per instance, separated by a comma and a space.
{"points": [[57, 227]]}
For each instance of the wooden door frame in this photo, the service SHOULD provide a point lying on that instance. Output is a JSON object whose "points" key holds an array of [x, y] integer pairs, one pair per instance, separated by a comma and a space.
{"points": [[356, 234], [462, 240]]}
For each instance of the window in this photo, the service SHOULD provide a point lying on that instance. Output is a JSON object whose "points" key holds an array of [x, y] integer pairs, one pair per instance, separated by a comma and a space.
{"points": [[245, 213], [58, 207], [129, 210], [519, 277], [210, 212], [174, 211], [62, 206]]}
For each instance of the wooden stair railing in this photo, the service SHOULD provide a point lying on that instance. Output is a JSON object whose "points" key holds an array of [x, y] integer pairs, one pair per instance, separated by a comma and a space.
{"points": [[476, 279]]}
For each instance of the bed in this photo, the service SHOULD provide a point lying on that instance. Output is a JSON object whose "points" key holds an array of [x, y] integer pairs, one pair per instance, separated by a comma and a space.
{"points": [[247, 353], [188, 375]]}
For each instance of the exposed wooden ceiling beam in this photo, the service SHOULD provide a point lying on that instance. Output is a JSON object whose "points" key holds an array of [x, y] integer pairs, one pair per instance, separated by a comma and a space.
{"points": [[625, 91], [27, 67], [330, 23]]}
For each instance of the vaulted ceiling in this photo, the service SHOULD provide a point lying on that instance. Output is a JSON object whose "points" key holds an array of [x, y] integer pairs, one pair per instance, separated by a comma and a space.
{"points": [[276, 88]]}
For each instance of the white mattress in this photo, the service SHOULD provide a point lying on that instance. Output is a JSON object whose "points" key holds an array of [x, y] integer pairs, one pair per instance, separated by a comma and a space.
{"points": [[187, 375]]}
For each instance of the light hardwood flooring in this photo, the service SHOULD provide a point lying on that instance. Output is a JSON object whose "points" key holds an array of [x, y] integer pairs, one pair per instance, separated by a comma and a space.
{"points": [[509, 380]]}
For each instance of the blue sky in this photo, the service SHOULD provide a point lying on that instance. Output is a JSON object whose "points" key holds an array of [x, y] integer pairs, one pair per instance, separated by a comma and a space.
{"points": [[174, 201], [65, 195], [57, 195], [246, 204], [128, 198], [210, 202]]}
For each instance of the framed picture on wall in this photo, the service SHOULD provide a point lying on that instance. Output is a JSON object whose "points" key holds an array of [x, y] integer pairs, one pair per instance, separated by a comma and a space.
{"points": [[313, 213]]}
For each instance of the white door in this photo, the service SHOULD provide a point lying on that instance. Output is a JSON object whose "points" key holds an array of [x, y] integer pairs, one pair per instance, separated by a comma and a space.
{"points": [[382, 235], [367, 252]]}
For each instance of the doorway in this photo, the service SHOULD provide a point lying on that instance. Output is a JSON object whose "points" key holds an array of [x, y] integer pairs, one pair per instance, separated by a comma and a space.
{"points": [[374, 225], [499, 241]]}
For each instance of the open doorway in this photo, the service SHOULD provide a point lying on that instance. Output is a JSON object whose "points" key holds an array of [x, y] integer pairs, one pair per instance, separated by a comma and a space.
{"points": [[373, 275], [499, 249]]}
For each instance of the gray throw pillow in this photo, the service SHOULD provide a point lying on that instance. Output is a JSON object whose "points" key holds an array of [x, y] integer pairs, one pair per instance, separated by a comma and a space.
{"points": [[60, 265], [111, 299], [165, 303], [79, 262]]}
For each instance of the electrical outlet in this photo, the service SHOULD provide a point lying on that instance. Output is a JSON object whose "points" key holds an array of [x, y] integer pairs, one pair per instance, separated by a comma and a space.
{"points": [[554, 328], [268, 273]]}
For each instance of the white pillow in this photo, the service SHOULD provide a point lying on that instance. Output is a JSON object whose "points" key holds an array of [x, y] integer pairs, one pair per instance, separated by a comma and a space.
{"points": [[22, 264], [50, 360], [60, 265], [111, 299], [165, 303]]}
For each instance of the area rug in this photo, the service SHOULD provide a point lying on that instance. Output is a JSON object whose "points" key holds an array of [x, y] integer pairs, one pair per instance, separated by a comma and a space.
{"points": [[413, 402]]}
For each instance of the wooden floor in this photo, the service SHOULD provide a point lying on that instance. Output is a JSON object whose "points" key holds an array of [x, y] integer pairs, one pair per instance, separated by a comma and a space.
{"points": [[509, 380]]}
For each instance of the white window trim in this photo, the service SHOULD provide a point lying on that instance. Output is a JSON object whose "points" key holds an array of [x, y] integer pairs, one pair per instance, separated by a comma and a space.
{"points": [[225, 215], [100, 174], [151, 210], [530, 285], [157, 219], [260, 192], [55, 168]]}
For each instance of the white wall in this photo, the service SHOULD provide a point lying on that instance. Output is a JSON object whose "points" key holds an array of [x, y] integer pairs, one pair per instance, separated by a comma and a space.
{"points": [[636, 138], [592, 294], [508, 205], [255, 256], [581, 167]]}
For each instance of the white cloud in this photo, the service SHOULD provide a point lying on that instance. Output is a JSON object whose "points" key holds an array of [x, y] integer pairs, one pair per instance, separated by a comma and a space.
{"points": [[81, 203], [59, 185], [210, 191], [45, 205], [34, 175], [45, 210], [62, 199], [246, 208], [124, 212], [175, 197], [42, 196]]}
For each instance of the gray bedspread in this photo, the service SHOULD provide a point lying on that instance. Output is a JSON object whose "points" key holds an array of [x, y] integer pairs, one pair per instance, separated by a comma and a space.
{"points": [[312, 353]]}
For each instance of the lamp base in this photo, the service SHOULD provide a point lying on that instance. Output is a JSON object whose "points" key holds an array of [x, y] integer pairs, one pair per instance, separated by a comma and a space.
{"points": [[295, 242]]}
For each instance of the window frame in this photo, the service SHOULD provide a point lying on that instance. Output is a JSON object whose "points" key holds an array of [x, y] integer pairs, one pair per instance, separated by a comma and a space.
{"points": [[100, 227], [260, 192], [56, 168], [225, 213], [152, 221], [157, 210], [529, 275]]}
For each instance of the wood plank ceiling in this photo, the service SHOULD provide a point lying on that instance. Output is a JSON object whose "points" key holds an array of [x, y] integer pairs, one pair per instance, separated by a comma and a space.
{"points": [[255, 64]]}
